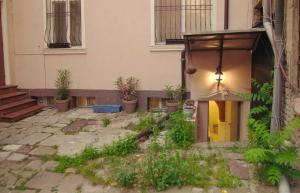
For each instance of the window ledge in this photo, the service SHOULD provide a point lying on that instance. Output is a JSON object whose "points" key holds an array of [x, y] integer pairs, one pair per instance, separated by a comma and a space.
{"points": [[166, 48], [64, 51]]}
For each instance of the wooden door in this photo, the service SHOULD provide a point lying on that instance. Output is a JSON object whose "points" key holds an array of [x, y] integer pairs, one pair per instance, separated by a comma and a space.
{"points": [[2, 71]]}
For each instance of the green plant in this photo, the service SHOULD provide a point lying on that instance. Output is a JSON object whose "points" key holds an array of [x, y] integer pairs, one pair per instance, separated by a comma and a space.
{"points": [[271, 153], [146, 122], [122, 147], [126, 175], [180, 131], [163, 169], [105, 122], [128, 88], [62, 84], [65, 162], [174, 93]]}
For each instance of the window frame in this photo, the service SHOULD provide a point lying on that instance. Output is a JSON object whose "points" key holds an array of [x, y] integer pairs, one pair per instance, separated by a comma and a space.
{"points": [[162, 46], [83, 42]]}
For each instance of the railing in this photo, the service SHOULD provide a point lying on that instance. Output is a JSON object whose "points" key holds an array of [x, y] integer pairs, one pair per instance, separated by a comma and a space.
{"points": [[175, 17], [63, 23]]}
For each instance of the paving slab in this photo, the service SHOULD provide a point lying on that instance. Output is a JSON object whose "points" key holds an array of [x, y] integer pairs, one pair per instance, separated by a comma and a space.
{"points": [[17, 157], [43, 150], [8, 180], [34, 165], [71, 148], [11, 147], [25, 149], [240, 169], [70, 183], [45, 180], [34, 138], [49, 165], [4, 155], [23, 191], [4, 190]]}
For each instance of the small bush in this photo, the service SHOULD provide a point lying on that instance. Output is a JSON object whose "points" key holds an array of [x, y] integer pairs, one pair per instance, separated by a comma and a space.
{"points": [[106, 122], [122, 147], [146, 122], [163, 170], [180, 131], [126, 176]]}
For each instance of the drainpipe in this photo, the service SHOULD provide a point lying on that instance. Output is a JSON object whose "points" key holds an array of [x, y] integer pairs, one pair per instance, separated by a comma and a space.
{"points": [[277, 46], [276, 42], [226, 15]]}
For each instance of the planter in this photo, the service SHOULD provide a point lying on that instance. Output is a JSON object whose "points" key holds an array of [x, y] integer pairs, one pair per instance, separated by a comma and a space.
{"points": [[129, 106], [62, 105], [172, 106]]}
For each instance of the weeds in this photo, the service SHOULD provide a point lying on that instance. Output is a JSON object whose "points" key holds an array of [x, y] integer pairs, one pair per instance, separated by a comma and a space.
{"points": [[105, 122], [180, 131], [122, 147]]}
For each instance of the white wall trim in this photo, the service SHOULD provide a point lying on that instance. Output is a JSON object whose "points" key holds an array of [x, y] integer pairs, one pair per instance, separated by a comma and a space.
{"points": [[5, 42], [152, 23], [214, 14]]}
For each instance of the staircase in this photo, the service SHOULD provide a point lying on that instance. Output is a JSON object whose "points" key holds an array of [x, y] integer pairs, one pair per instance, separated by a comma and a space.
{"points": [[16, 105]]}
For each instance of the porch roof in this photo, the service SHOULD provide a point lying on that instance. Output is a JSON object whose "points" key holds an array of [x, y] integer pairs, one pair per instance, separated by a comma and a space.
{"points": [[223, 40]]}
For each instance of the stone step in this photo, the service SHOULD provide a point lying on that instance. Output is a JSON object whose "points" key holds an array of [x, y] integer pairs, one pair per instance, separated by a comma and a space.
{"points": [[21, 114], [12, 97], [8, 89], [16, 106]]}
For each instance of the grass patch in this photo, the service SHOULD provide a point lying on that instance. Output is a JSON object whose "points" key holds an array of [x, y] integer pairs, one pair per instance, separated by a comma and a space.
{"points": [[122, 147], [105, 122]]}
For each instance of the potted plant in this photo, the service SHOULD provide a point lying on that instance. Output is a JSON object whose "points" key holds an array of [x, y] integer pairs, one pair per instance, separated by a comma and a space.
{"points": [[174, 96], [128, 89], [62, 84]]}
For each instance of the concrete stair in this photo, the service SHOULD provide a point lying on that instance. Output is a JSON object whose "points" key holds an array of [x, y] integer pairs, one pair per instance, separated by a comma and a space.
{"points": [[16, 105]]}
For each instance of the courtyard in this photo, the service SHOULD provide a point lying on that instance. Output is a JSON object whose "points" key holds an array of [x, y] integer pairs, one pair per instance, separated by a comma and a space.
{"points": [[26, 144]]}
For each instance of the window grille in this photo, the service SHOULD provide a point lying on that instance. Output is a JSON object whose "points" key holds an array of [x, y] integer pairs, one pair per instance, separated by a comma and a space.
{"points": [[63, 23], [175, 17]]}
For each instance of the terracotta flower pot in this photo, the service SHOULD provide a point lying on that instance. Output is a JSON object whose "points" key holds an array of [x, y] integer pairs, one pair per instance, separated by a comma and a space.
{"points": [[172, 106], [62, 105], [129, 106]]}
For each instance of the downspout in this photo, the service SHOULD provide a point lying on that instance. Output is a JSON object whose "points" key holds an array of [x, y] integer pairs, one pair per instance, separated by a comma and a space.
{"points": [[276, 42], [277, 46], [226, 15]]}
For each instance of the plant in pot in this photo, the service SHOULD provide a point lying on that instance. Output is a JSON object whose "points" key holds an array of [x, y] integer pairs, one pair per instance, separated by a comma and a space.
{"points": [[128, 89], [62, 84], [174, 97]]}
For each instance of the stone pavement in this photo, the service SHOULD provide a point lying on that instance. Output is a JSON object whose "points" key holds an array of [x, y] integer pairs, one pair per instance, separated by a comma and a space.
{"points": [[23, 143]]}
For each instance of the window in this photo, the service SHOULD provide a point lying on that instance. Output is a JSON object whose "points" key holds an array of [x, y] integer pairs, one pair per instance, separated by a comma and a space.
{"points": [[63, 23], [175, 17]]}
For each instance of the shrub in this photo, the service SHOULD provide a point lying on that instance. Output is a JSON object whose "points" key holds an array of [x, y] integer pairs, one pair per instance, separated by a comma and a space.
{"points": [[105, 122], [128, 88], [180, 131], [163, 170], [122, 147], [271, 153], [62, 84], [126, 176]]}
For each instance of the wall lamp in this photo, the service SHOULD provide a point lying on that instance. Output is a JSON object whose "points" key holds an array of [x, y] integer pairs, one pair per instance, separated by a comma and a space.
{"points": [[219, 76]]}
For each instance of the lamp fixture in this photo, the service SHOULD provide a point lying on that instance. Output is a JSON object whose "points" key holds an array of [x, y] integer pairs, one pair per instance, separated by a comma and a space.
{"points": [[219, 76]]}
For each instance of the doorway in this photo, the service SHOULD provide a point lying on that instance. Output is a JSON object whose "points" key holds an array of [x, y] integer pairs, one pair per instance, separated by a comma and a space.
{"points": [[223, 121]]}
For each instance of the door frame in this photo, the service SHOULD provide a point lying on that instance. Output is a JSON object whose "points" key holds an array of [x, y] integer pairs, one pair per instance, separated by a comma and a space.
{"points": [[202, 118]]}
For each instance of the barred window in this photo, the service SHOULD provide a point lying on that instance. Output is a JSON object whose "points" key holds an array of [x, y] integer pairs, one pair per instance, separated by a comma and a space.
{"points": [[63, 23], [175, 17]]}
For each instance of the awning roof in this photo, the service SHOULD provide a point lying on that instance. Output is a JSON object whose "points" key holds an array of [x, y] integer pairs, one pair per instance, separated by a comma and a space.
{"points": [[223, 40]]}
